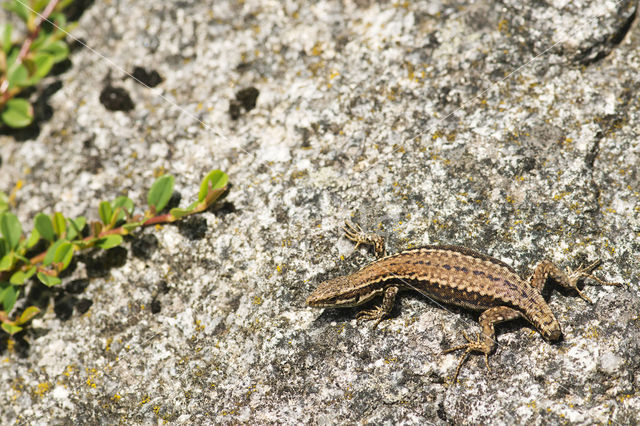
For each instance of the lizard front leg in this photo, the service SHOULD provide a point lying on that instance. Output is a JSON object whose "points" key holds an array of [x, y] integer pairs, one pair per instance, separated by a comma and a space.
{"points": [[355, 233], [379, 312], [485, 342]]}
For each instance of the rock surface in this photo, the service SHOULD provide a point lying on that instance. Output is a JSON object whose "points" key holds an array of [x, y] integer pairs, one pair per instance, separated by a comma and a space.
{"points": [[506, 126]]}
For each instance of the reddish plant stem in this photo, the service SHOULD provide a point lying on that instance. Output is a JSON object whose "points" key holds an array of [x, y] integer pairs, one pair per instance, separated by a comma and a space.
{"points": [[24, 50], [39, 20], [163, 218]]}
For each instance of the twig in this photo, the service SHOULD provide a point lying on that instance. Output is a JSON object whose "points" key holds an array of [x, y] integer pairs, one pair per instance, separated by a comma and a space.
{"points": [[24, 50]]}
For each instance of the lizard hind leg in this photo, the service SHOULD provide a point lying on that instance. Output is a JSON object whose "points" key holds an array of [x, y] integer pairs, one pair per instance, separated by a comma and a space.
{"points": [[567, 279], [485, 342], [584, 272], [469, 347]]}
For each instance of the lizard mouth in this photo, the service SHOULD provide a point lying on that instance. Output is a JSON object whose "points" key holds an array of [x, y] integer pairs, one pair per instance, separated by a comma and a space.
{"points": [[326, 303]]}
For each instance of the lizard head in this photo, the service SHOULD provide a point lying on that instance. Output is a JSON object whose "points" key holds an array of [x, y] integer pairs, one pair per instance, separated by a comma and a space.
{"points": [[334, 293]]}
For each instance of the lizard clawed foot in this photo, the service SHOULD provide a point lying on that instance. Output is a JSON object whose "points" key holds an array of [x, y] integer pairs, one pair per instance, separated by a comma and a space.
{"points": [[376, 314], [355, 233], [471, 346], [585, 272]]}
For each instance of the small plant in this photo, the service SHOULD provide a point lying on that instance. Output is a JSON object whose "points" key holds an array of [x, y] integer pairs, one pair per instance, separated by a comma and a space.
{"points": [[24, 64], [65, 236]]}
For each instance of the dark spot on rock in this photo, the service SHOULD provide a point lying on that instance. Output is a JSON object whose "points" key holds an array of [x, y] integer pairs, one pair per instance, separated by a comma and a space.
{"points": [[248, 97], [245, 100], [149, 78], [442, 413], [115, 257], [83, 305], [234, 109], [77, 286], [145, 246], [76, 8], [99, 265], [221, 328], [281, 215], [194, 228], [116, 99], [63, 307], [156, 306], [225, 208]]}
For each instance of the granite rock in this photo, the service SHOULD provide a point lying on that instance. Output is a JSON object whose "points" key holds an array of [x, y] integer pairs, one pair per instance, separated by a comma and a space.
{"points": [[506, 126]]}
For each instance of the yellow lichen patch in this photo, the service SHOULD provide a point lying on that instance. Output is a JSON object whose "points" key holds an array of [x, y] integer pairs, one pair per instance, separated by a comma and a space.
{"points": [[503, 26], [592, 332], [316, 50], [68, 370], [93, 373], [42, 388], [14, 192]]}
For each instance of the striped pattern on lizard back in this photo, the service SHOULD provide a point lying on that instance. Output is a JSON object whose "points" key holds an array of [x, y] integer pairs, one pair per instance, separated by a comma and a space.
{"points": [[448, 274]]}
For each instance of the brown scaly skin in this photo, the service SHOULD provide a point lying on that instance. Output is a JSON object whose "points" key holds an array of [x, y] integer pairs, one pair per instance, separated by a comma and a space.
{"points": [[456, 276]]}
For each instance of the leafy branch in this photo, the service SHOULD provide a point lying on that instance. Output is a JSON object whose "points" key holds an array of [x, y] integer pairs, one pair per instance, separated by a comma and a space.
{"points": [[65, 236], [24, 64]]}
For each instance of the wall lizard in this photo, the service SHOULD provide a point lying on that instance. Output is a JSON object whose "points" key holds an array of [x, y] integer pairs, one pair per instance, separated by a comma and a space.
{"points": [[453, 275]]}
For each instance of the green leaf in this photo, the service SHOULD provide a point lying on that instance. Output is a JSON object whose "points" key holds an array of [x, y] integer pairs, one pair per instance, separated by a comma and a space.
{"points": [[178, 212], [19, 277], [38, 5], [48, 280], [57, 50], [11, 229], [105, 212], [10, 328], [160, 193], [4, 247], [6, 263], [126, 207], [42, 223], [51, 252], [109, 241], [17, 113], [33, 238], [27, 315], [63, 254], [6, 38], [214, 180], [59, 19], [8, 295], [18, 75], [42, 64], [131, 226], [4, 202], [59, 224], [76, 226]]}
